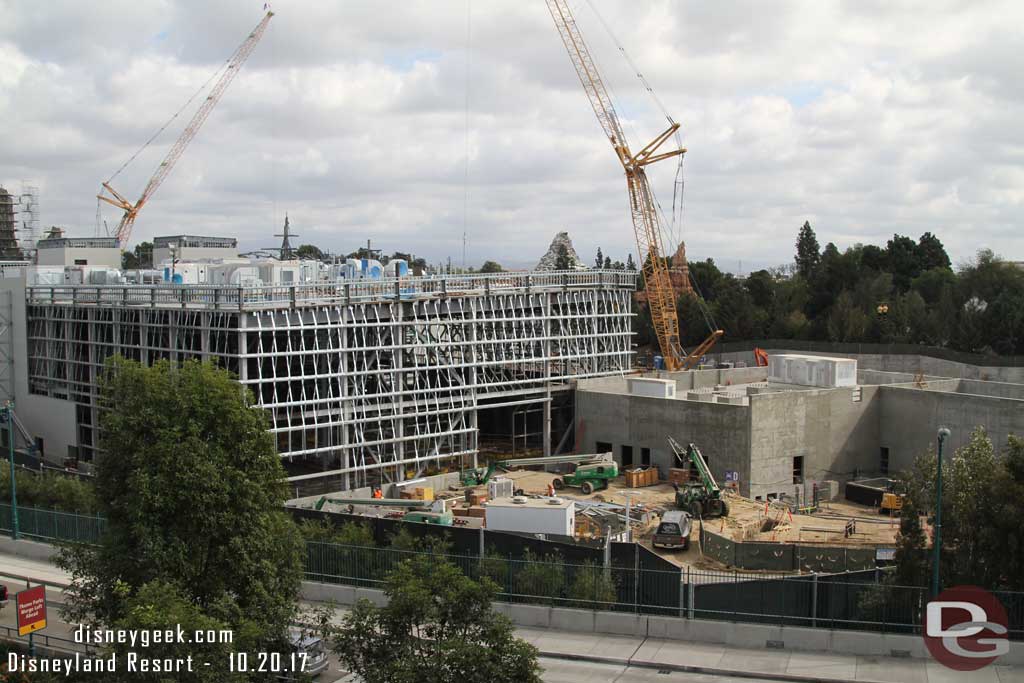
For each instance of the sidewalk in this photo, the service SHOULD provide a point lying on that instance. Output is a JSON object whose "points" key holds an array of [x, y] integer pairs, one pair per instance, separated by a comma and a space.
{"points": [[723, 660]]}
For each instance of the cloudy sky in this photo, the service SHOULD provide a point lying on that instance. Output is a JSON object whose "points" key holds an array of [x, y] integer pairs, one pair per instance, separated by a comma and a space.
{"points": [[865, 118]]}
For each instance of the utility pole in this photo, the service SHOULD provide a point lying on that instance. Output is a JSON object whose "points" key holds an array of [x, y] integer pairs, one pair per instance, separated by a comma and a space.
{"points": [[7, 414], [937, 540]]}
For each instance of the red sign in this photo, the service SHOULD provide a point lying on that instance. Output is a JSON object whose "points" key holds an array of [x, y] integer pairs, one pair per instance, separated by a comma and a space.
{"points": [[31, 610], [966, 628]]}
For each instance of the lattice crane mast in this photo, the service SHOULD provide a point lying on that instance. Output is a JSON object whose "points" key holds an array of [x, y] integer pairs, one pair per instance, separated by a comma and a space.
{"points": [[234, 65], [646, 222]]}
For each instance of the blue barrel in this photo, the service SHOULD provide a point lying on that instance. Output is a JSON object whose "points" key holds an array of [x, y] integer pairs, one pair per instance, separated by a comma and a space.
{"points": [[659, 362]]}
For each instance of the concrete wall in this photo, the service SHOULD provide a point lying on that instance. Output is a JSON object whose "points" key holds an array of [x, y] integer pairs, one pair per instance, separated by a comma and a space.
{"points": [[911, 364], [997, 389], [741, 635], [685, 381], [910, 417], [831, 431], [51, 419], [93, 256], [721, 431]]}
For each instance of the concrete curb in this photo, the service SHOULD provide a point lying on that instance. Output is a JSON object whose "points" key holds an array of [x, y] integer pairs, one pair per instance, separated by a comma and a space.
{"points": [[685, 668]]}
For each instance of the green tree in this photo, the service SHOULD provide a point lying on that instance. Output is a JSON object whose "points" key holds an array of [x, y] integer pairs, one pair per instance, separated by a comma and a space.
{"points": [[160, 605], [607, 262], [1003, 531], [630, 263], [539, 576], [193, 492], [807, 251], [138, 258], [322, 531], [911, 561], [931, 253], [904, 262], [310, 251], [592, 587], [491, 267], [846, 322], [599, 261], [438, 625]]}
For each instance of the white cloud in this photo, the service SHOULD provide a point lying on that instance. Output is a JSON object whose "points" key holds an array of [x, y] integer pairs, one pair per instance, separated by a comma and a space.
{"points": [[864, 118]]}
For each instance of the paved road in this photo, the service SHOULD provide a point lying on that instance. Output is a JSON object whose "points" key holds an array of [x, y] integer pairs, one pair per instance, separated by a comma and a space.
{"points": [[567, 671]]}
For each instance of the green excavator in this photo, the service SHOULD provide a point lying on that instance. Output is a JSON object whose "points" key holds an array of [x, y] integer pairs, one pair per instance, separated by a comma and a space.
{"points": [[593, 471], [702, 498]]}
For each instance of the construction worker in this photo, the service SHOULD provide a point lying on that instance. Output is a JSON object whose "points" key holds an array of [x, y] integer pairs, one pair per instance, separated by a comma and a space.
{"points": [[377, 493], [551, 490]]}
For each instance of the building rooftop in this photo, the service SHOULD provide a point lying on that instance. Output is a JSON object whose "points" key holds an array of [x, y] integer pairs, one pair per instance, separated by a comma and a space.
{"points": [[546, 503], [319, 293], [78, 243], [200, 241]]}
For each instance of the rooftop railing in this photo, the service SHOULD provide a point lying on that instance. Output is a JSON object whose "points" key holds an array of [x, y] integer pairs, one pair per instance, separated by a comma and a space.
{"points": [[327, 291]]}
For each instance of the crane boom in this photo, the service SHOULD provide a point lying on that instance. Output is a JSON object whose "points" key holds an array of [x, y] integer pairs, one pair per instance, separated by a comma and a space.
{"points": [[234, 65], [646, 223]]}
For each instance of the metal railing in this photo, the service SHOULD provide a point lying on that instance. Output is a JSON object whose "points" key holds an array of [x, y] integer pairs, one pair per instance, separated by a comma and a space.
{"points": [[855, 601], [52, 525], [849, 600], [321, 292]]}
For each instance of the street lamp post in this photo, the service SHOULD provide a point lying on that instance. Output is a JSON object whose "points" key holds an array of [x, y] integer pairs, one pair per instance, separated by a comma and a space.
{"points": [[7, 414], [937, 539]]}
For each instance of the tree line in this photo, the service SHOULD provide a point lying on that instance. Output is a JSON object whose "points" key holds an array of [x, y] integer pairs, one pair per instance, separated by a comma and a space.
{"points": [[906, 292]]}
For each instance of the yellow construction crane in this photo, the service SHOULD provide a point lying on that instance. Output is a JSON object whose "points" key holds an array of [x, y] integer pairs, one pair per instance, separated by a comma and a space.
{"points": [[646, 223], [131, 211]]}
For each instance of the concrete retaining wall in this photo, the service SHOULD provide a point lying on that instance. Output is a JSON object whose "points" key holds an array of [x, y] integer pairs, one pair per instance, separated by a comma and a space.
{"points": [[909, 419], [722, 430], [698, 630], [30, 550], [894, 362]]}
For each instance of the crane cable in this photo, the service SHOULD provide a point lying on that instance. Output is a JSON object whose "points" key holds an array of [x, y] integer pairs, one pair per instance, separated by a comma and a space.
{"points": [[170, 120], [147, 143], [676, 225], [677, 190]]}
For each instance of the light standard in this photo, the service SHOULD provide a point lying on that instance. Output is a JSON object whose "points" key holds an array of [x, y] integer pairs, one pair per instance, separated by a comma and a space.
{"points": [[937, 540], [7, 415]]}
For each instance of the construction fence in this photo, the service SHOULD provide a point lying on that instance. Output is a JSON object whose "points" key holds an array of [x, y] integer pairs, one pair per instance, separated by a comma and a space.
{"points": [[784, 557], [625, 577]]}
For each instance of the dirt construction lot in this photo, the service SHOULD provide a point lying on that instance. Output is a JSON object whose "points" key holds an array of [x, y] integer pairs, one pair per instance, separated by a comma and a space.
{"points": [[748, 520]]}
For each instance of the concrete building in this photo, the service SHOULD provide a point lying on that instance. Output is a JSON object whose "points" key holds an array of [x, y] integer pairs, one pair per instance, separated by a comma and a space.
{"points": [[365, 381], [193, 248], [784, 438], [79, 251]]}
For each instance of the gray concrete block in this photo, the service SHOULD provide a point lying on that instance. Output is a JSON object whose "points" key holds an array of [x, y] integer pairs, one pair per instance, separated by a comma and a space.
{"points": [[754, 636], [622, 624], [809, 639], [901, 643], [530, 615], [563, 619], [31, 550], [375, 596], [858, 643], [707, 631], [668, 628], [328, 592]]}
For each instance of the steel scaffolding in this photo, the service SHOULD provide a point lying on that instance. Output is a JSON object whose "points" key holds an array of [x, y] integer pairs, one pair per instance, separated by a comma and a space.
{"points": [[365, 381]]}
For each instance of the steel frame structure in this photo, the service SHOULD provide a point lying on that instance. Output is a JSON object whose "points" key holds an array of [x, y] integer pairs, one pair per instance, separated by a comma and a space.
{"points": [[366, 382]]}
